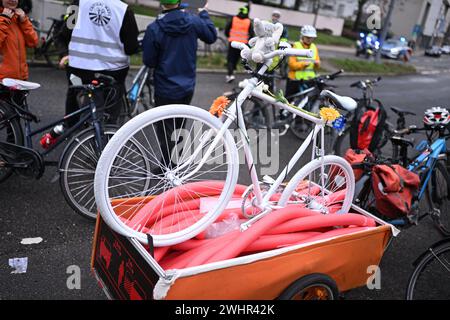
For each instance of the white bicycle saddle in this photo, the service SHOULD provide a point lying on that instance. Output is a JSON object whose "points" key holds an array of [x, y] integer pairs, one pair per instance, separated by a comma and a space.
{"points": [[20, 84], [345, 103]]}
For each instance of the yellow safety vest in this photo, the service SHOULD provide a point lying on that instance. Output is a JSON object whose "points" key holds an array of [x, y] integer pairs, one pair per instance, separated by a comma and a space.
{"points": [[308, 73]]}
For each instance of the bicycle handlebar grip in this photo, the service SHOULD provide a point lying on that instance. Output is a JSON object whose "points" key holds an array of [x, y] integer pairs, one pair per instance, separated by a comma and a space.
{"points": [[305, 53], [337, 73]]}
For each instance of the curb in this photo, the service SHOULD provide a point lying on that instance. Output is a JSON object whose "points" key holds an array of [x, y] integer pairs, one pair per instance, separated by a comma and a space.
{"points": [[223, 71], [434, 72]]}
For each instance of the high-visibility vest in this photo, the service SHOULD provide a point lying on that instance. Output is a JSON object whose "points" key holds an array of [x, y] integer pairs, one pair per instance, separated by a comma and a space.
{"points": [[95, 43], [240, 30], [309, 72]]}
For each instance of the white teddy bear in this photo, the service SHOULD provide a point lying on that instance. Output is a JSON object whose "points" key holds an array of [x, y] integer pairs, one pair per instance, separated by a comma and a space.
{"points": [[267, 37]]}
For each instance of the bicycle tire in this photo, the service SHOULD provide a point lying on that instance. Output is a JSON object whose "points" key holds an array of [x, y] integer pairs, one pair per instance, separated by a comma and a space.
{"points": [[132, 130], [83, 141], [311, 287], [11, 132], [308, 174], [53, 51], [441, 197], [420, 272], [340, 144]]}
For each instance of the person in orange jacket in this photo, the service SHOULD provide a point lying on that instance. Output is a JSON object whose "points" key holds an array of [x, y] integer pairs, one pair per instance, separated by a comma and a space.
{"points": [[303, 69], [16, 34]]}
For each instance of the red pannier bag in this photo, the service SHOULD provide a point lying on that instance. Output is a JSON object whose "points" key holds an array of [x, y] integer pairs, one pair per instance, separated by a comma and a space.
{"points": [[394, 188], [356, 158]]}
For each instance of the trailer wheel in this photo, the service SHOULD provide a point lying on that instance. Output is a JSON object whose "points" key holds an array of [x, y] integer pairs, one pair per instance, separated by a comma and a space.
{"points": [[311, 287]]}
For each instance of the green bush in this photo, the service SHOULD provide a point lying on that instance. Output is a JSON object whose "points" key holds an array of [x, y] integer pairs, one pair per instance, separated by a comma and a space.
{"points": [[360, 66]]}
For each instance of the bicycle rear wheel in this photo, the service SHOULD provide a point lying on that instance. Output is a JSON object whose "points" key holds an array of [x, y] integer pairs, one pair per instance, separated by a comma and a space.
{"points": [[175, 139], [326, 184], [10, 132], [430, 279], [342, 143], [440, 196], [77, 170]]}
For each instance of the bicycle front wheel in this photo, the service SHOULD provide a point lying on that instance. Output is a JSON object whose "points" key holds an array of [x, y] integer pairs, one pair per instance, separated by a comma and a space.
{"points": [[431, 278], [326, 184], [190, 160]]}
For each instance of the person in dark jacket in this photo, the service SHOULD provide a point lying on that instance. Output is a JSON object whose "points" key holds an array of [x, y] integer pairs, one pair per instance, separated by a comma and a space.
{"points": [[85, 67], [170, 48]]}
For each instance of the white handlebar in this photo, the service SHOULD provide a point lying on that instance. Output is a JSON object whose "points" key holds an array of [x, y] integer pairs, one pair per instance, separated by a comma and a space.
{"points": [[290, 52], [239, 45], [281, 52]]}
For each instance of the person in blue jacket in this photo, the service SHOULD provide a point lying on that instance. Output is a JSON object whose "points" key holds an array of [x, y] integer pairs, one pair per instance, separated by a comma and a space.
{"points": [[170, 49]]}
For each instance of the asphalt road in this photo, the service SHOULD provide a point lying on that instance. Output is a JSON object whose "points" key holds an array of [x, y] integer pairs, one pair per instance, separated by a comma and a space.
{"points": [[31, 208]]}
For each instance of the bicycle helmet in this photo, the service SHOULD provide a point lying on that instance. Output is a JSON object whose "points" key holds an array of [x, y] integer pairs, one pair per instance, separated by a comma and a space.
{"points": [[169, 1], [436, 116], [309, 31]]}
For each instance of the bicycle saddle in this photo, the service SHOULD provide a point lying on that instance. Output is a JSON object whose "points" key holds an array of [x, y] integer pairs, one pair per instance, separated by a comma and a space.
{"points": [[345, 103], [399, 111], [20, 84]]}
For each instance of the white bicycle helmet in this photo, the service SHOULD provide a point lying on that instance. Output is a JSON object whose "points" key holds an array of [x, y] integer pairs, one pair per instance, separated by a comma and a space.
{"points": [[436, 116], [309, 31]]}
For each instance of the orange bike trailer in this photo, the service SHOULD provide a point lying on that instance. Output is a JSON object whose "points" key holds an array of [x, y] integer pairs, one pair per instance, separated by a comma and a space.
{"points": [[126, 269]]}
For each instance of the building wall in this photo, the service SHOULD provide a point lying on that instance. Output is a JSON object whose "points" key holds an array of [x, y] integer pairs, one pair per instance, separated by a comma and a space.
{"points": [[410, 13], [289, 17], [337, 8], [42, 9], [406, 15], [49, 8]]}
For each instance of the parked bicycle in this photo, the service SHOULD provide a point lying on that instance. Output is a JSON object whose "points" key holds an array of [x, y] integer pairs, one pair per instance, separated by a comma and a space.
{"points": [[52, 46], [366, 102], [430, 164], [430, 279], [77, 162], [140, 97], [203, 155], [262, 115]]}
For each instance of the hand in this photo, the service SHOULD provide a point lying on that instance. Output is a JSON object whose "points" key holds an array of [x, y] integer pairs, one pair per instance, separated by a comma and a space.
{"points": [[205, 7], [316, 63], [21, 14], [64, 62], [8, 12]]}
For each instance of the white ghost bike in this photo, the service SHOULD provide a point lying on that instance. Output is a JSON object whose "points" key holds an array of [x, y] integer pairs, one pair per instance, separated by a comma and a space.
{"points": [[204, 150]]}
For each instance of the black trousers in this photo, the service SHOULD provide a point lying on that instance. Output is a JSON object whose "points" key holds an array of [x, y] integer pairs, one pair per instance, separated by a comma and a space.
{"points": [[232, 59], [72, 102], [293, 87], [165, 128]]}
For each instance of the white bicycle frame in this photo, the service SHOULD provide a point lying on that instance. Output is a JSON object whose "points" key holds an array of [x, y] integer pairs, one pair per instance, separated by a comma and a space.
{"points": [[231, 114]]}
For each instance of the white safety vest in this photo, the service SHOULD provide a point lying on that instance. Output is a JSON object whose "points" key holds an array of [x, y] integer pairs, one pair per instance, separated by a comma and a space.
{"points": [[95, 43]]}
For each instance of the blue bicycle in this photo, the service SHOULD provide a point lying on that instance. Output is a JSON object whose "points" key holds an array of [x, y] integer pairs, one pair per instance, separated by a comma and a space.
{"points": [[430, 163]]}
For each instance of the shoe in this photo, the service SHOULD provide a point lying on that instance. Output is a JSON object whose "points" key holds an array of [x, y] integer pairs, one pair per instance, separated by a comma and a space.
{"points": [[230, 79]]}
